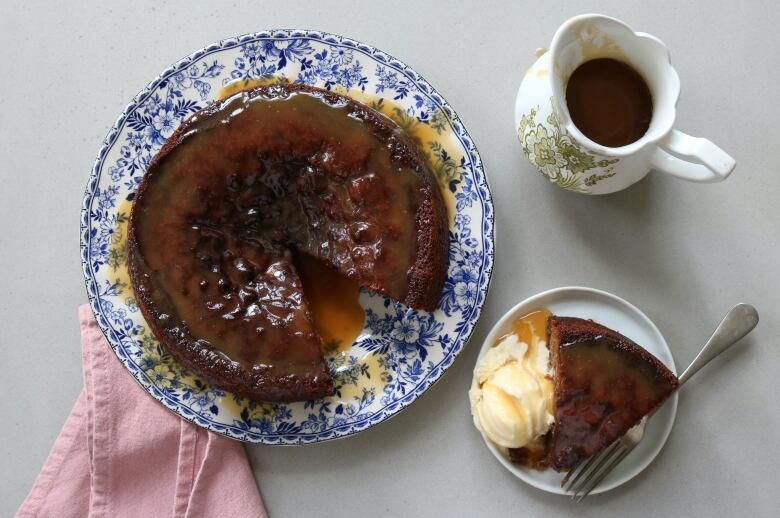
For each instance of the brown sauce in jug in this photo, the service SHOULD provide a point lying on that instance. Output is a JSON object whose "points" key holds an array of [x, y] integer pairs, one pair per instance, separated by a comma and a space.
{"points": [[609, 102]]}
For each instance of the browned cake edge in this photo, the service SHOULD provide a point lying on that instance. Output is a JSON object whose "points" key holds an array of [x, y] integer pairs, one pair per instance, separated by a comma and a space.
{"points": [[425, 278], [428, 272], [562, 330]]}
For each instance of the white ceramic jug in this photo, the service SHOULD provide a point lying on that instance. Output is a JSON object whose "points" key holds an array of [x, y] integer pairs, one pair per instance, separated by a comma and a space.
{"points": [[571, 160]]}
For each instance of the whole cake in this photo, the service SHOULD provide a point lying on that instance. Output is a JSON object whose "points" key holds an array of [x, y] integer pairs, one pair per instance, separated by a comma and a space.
{"points": [[244, 186]]}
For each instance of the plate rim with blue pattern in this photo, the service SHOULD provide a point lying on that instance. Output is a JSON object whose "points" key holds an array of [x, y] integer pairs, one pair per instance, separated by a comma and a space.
{"points": [[404, 341]]}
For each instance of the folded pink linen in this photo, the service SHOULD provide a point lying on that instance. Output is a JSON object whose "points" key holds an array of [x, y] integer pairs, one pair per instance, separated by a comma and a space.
{"points": [[122, 454]]}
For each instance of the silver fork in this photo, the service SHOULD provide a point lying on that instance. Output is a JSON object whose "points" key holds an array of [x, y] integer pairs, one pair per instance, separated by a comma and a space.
{"points": [[583, 478]]}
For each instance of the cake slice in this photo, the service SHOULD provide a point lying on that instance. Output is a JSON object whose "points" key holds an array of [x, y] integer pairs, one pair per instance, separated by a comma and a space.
{"points": [[604, 385]]}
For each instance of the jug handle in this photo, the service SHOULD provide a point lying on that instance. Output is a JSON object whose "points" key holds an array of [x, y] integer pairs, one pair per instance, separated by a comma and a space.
{"points": [[691, 158]]}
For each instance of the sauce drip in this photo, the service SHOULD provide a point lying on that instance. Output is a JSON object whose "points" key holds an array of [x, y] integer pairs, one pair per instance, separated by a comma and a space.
{"points": [[532, 328], [609, 102], [333, 303]]}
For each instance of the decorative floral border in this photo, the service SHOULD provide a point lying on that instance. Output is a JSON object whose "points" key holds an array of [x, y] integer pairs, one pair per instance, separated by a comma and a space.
{"points": [[405, 336]]}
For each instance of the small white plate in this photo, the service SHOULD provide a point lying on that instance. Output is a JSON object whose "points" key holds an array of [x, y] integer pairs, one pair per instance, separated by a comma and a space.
{"points": [[618, 314]]}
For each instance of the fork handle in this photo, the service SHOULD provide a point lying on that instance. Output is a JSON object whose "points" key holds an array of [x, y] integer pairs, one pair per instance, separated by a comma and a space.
{"points": [[735, 325]]}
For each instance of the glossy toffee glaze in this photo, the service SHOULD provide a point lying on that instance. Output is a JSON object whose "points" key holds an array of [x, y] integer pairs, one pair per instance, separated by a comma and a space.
{"points": [[604, 385], [299, 174]]}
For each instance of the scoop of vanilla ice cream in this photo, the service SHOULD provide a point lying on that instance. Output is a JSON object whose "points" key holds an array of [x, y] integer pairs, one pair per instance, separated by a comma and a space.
{"points": [[511, 394]]}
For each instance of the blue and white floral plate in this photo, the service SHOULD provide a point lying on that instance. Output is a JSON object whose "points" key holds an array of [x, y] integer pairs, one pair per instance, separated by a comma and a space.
{"points": [[400, 352]]}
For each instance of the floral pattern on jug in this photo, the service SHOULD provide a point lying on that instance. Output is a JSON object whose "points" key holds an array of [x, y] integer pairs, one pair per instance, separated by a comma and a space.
{"points": [[557, 156]]}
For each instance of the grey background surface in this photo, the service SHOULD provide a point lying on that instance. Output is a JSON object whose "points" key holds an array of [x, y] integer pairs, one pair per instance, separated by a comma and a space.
{"points": [[681, 252]]}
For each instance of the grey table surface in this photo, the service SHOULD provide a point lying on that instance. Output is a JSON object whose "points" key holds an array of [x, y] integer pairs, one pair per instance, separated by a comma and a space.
{"points": [[683, 253]]}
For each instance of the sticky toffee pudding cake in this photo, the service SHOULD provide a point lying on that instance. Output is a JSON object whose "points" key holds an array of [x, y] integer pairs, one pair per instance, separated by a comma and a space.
{"points": [[604, 384], [247, 184]]}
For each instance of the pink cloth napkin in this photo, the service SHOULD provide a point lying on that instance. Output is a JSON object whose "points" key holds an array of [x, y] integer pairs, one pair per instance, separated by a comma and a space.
{"points": [[121, 453]]}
